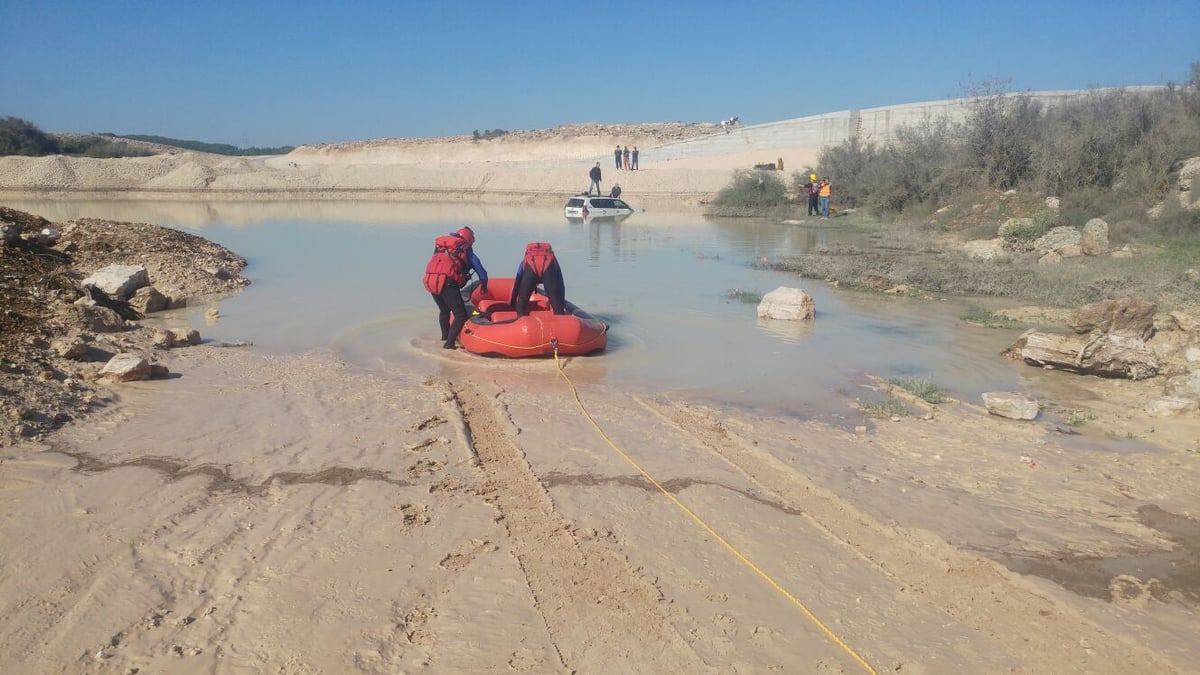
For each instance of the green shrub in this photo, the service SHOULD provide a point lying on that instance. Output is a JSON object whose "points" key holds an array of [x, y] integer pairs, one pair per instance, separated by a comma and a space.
{"points": [[99, 147], [987, 319], [923, 389], [752, 191], [19, 137], [212, 148], [488, 134], [1076, 417], [1106, 154], [1022, 230], [748, 297], [887, 407]]}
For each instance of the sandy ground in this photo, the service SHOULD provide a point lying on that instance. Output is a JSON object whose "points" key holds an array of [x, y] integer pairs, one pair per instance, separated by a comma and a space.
{"points": [[299, 515], [296, 514], [521, 168]]}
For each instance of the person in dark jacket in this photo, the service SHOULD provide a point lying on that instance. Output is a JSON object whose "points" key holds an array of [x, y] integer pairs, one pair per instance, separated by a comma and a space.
{"points": [[812, 188], [594, 174], [539, 265]]}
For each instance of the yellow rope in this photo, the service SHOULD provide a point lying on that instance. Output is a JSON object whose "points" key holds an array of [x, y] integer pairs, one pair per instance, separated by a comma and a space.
{"points": [[537, 346], [707, 528]]}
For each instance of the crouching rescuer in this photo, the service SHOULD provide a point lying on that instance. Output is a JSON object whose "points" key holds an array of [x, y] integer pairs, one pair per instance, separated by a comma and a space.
{"points": [[445, 277], [539, 265]]}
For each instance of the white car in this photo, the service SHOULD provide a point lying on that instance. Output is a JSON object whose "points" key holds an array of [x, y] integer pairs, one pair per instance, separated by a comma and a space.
{"points": [[586, 207]]}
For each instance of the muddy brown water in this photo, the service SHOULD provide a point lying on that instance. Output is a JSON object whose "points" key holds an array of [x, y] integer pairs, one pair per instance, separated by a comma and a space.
{"points": [[1171, 574], [346, 276]]}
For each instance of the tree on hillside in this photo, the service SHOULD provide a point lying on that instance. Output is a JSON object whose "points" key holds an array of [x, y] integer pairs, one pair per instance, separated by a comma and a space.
{"points": [[19, 137]]}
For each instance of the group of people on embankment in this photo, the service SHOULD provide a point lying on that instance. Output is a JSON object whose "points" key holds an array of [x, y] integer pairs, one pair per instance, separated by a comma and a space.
{"points": [[625, 159]]}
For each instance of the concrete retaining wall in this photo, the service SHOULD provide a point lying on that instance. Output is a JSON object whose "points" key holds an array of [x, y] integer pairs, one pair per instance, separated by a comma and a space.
{"points": [[819, 131]]}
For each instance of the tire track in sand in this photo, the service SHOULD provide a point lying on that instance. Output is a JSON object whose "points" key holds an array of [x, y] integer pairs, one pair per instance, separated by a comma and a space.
{"points": [[600, 612], [976, 592]]}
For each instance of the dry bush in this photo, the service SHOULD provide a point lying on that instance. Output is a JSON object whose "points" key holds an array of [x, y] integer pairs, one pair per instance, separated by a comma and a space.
{"points": [[751, 192], [1106, 154]]}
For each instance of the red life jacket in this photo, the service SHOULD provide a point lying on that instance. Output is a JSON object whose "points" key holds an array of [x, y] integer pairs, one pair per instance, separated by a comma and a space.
{"points": [[449, 261], [538, 256]]}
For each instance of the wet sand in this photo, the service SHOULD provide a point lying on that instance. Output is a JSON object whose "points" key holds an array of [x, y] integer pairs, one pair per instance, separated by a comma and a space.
{"points": [[260, 511]]}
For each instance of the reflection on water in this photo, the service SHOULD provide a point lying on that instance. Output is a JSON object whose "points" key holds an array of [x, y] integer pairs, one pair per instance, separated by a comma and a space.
{"points": [[346, 275], [788, 331]]}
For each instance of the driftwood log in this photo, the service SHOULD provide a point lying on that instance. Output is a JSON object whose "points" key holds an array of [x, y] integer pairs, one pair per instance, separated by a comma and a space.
{"points": [[1104, 354]]}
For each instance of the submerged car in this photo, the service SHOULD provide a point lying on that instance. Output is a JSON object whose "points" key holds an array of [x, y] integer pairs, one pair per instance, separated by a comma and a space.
{"points": [[588, 207]]}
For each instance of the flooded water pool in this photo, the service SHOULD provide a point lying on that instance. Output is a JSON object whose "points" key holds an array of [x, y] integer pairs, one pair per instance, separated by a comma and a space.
{"points": [[346, 276]]}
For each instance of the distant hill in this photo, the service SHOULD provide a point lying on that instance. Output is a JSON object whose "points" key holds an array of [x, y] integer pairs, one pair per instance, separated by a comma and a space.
{"points": [[21, 137], [213, 148]]}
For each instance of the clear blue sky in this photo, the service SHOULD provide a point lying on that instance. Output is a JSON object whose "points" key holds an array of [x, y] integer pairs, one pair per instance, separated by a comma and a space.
{"points": [[284, 73]]}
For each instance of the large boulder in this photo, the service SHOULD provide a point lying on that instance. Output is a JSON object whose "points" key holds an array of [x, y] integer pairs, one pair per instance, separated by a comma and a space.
{"points": [[119, 281], [986, 249], [1128, 315], [126, 367], [147, 299], [97, 319], [1094, 238], [1012, 405], [787, 304], [1185, 195], [1103, 354], [1065, 241]]}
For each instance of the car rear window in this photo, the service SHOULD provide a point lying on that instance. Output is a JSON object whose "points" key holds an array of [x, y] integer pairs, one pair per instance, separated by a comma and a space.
{"points": [[576, 202]]}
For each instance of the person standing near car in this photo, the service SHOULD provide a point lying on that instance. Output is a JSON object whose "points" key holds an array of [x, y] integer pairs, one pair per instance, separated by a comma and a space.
{"points": [[617, 157], [594, 174], [634, 155], [626, 157]]}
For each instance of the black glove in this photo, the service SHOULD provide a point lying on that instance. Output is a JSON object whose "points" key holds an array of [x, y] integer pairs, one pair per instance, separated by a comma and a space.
{"points": [[483, 288]]}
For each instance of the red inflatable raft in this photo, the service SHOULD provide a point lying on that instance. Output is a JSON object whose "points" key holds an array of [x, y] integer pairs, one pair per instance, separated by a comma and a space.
{"points": [[497, 330]]}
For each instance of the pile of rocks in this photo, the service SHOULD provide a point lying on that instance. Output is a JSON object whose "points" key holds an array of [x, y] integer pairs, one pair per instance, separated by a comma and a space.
{"points": [[1125, 338], [1050, 248], [70, 298]]}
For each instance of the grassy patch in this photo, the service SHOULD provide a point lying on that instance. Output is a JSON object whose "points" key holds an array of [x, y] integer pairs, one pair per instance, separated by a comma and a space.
{"points": [[987, 318], [748, 297], [1076, 417], [884, 408], [1160, 273], [923, 389]]}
